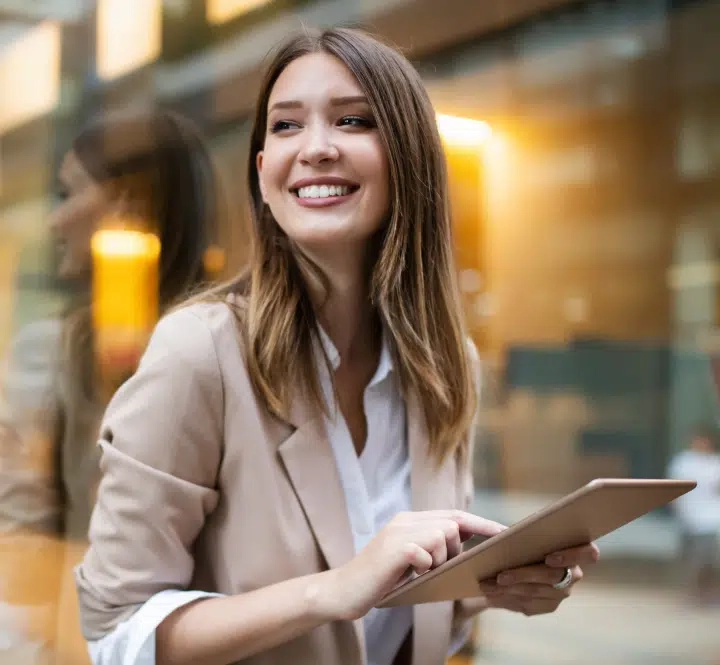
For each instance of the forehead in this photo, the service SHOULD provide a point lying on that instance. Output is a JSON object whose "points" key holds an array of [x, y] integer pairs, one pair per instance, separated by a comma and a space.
{"points": [[314, 77]]}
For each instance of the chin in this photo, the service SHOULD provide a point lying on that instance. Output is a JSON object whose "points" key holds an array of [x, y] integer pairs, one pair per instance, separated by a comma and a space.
{"points": [[330, 242], [328, 233]]}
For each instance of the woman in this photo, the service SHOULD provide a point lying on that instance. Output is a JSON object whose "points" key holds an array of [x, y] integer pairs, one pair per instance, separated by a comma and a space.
{"points": [[152, 167], [293, 443]]}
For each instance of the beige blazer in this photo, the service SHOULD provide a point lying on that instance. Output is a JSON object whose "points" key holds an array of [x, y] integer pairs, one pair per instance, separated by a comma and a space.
{"points": [[203, 489]]}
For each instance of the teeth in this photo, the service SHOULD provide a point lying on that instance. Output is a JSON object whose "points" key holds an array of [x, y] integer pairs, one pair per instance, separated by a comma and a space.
{"points": [[323, 191]]}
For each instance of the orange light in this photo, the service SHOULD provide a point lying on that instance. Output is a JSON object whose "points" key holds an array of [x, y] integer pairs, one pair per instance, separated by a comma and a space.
{"points": [[220, 11], [125, 293], [458, 131]]}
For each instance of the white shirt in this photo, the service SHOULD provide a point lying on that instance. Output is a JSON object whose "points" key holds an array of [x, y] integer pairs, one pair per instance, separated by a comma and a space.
{"points": [[699, 510], [376, 486]]}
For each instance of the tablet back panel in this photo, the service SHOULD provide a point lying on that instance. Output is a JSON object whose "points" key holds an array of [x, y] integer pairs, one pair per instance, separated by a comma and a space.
{"points": [[587, 514]]}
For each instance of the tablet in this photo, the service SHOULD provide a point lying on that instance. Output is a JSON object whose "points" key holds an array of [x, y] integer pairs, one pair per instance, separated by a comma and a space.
{"points": [[594, 510]]}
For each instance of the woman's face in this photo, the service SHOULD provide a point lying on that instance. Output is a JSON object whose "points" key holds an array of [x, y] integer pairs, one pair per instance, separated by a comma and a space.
{"points": [[323, 170], [76, 217]]}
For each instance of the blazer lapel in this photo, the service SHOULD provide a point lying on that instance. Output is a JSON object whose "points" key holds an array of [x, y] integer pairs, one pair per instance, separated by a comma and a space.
{"points": [[310, 463], [433, 488]]}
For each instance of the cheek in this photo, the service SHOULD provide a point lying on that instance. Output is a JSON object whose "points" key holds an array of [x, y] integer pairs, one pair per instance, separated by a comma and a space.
{"points": [[276, 164], [375, 164]]}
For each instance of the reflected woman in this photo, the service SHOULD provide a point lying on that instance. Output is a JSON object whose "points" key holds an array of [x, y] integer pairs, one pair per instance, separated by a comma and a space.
{"points": [[152, 166]]}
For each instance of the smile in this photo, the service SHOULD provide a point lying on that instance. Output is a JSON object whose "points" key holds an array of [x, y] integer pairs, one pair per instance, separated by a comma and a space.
{"points": [[323, 191]]}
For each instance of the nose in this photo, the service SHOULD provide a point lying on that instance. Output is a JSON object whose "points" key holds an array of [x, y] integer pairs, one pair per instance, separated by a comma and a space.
{"points": [[318, 147]]}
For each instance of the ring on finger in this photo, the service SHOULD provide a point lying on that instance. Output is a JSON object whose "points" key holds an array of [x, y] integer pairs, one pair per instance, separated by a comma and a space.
{"points": [[565, 582]]}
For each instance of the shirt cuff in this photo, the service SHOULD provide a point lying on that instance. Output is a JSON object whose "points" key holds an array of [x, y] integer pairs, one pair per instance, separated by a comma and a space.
{"points": [[133, 641]]}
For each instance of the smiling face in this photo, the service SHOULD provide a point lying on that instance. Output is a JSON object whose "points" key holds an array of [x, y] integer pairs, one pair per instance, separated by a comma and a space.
{"points": [[323, 169]]}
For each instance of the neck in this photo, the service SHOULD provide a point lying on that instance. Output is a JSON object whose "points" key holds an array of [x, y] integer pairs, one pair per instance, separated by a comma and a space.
{"points": [[345, 312], [352, 324]]}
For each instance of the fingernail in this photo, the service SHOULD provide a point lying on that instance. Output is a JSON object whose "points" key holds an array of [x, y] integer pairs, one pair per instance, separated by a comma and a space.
{"points": [[554, 560], [505, 578]]}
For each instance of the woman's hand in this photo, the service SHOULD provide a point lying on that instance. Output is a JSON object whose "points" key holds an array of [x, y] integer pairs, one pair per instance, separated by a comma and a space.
{"points": [[412, 542], [530, 590]]}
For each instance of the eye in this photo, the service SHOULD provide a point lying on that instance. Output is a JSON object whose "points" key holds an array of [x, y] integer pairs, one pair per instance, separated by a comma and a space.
{"points": [[283, 126], [356, 121]]}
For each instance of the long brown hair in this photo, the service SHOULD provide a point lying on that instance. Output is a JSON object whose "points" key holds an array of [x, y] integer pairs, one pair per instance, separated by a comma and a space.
{"points": [[413, 282]]}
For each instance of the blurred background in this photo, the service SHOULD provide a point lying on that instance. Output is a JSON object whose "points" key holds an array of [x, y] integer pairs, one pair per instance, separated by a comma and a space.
{"points": [[583, 140]]}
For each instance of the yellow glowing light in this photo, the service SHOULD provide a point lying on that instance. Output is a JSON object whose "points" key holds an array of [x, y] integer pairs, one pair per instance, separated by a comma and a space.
{"points": [[30, 76], [129, 35], [125, 243], [214, 259], [125, 292], [455, 130], [220, 11]]}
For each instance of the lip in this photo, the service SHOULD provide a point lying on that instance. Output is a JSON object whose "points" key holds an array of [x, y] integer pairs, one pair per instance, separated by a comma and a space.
{"points": [[323, 203]]}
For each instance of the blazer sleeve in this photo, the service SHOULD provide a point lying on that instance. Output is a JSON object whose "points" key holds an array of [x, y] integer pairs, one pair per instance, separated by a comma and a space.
{"points": [[161, 441]]}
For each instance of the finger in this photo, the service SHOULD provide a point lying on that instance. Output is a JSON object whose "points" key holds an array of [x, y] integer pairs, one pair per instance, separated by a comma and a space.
{"points": [[523, 605], [531, 591], [437, 547], [473, 525], [470, 525], [418, 558], [575, 556], [537, 574], [453, 541], [505, 602], [538, 606]]}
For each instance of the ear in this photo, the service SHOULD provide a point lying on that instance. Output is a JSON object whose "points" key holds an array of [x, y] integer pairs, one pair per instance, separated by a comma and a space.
{"points": [[258, 166]]}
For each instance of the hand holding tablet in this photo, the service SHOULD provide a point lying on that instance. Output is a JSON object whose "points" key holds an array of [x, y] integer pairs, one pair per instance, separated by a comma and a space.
{"points": [[570, 524], [419, 557]]}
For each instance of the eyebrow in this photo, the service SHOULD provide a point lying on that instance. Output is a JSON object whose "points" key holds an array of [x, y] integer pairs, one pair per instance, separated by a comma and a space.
{"points": [[335, 101]]}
